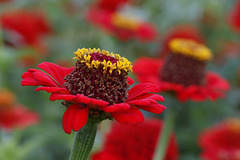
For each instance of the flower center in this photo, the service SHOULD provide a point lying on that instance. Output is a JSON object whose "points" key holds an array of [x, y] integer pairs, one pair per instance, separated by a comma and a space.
{"points": [[7, 99], [99, 75], [125, 22], [186, 63], [234, 125]]}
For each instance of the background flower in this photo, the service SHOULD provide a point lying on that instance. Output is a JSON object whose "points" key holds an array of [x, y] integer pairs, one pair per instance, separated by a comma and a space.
{"points": [[221, 141], [33, 26], [13, 115], [135, 142], [234, 17]]}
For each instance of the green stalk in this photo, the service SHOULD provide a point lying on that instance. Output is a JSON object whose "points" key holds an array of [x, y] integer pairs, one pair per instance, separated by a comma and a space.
{"points": [[83, 141], [163, 140]]}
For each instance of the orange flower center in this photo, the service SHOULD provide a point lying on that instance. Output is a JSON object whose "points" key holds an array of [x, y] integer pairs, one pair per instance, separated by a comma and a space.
{"points": [[234, 125], [125, 22], [7, 99]]}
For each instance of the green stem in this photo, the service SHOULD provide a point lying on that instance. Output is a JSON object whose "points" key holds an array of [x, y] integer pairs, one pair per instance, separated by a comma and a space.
{"points": [[83, 142], [163, 139]]}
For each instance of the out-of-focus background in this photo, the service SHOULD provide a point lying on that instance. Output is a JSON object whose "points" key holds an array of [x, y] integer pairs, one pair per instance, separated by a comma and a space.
{"points": [[34, 31]]}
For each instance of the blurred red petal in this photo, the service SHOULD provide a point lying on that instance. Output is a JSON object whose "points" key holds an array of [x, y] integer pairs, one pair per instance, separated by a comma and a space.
{"points": [[132, 115]]}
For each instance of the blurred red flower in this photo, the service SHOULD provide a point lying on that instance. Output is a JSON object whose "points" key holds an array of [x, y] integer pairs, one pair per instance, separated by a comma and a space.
{"points": [[110, 5], [122, 26], [185, 75], [234, 17], [33, 26], [128, 142], [181, 31], [1, 1], [52, 78], [13, 115], [221, 142]]}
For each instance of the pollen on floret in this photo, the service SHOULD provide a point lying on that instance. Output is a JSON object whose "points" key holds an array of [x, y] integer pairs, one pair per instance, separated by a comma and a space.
{"points": [[94, 58], [190, 48]]}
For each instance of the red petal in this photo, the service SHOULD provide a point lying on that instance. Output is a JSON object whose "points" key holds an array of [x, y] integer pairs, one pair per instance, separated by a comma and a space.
{"points": [[146, 96], [154, 108], [75, 117], [59, 96], [130, 80], [28, 78], [132, 115], [44, 79], [57, 72], [53, 89], [216, 81], [116, 107], [142, 88], [83, 99], [80, 118], [77, 99], [144, 67], [146, 32]]}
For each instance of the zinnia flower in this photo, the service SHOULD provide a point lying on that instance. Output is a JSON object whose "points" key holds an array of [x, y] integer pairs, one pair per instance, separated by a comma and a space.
{"points": [[124, 27], [110, 5], [221, 142], [96, 88], [33, 26], [234, 17], [128, 142], [182, 31], [14, 115], [183, 71]]}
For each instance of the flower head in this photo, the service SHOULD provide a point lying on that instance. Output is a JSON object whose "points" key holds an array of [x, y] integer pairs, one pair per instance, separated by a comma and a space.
{"points": [[183, 71], [13, 115], [234, 17], [128, 142], [221, 142], [33, 26], [96, 88], [111, 5], [123, 26]]}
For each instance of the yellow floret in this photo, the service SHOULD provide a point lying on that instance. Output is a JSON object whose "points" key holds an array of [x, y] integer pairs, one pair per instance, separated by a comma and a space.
{"points": [[84, 55], [125, 22], [190, 48]]}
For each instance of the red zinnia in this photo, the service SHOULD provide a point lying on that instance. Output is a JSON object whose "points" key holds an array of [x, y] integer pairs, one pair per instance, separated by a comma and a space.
{"points": [[97, 88], [110, 5], [33, 26], [234, 18], [128, 142], [221, 142], [183, 72], [183, 31], [14, 115], [122, 26]]}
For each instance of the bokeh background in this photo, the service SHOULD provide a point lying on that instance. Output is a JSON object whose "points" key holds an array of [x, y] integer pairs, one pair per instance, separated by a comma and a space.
{"points": [[34, 31]]}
